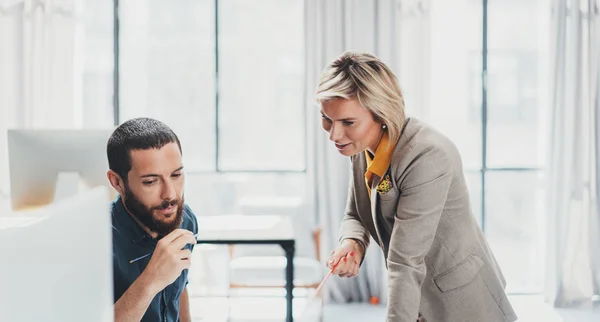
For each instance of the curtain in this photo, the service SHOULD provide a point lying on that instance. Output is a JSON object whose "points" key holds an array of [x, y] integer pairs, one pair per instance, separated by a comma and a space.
{"points": [[573, 242], [41, 68]]}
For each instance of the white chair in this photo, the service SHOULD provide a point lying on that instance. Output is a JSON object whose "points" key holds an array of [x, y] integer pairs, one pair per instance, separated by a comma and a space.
{"points": [[264, 266]]}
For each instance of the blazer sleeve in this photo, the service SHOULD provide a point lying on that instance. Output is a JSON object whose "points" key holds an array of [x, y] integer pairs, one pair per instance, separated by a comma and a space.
{"points": [[352, 226], [424, 186]]}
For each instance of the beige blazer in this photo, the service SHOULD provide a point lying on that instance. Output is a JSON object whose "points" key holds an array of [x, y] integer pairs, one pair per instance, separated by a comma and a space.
{"points": [[438, 261]]}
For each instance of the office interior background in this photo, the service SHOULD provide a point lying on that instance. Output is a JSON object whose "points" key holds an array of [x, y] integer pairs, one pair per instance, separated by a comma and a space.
{"points": [[514, 83]]}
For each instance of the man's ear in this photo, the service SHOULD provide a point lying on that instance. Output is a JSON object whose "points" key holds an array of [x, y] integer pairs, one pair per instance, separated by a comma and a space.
{"points": [[116, 181]]}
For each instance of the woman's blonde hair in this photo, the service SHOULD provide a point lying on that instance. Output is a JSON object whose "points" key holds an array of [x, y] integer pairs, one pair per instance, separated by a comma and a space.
{"points": [[366, 78]]}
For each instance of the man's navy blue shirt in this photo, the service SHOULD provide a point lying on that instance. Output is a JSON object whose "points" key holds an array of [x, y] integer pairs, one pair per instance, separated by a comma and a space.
{"points": [[130, 241]]}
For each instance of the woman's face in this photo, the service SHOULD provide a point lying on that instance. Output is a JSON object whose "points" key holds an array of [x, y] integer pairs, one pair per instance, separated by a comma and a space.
{"points": [[350, 126]]}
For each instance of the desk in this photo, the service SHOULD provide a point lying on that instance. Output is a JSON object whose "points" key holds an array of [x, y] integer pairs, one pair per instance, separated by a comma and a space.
{"points": [[256, 230]]}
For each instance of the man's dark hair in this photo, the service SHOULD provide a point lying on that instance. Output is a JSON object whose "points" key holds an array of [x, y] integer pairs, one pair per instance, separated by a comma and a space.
{"points": [[136, 134]]}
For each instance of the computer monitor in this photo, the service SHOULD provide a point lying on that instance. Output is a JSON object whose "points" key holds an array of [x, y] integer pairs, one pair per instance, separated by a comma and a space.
{"points": [[56, 262], [47, 165]]}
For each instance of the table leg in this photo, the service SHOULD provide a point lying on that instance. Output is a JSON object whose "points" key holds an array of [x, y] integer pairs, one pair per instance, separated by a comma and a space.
{"points": [[289, 248]]}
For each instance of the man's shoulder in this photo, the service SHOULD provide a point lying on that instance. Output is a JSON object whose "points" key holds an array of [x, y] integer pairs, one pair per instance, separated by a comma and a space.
{"points": [[114, 211], [189, 219]]}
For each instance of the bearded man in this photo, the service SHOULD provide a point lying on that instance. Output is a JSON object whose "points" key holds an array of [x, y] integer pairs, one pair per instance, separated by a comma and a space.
{"points": [[153, 229]]}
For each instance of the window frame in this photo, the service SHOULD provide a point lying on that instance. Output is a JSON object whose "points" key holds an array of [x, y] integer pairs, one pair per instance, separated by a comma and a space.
{"points": [[217, 168]]}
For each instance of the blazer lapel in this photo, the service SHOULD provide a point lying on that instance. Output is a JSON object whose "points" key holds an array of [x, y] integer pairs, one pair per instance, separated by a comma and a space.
{"points": [[374, 199], [366, 206]]}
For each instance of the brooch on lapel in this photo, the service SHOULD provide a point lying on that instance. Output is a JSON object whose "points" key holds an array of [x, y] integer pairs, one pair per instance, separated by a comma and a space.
{"points": [[385, 185]]}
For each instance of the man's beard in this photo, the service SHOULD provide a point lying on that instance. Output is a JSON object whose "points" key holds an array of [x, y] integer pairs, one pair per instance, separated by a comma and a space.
{"points": [[146, 215]]}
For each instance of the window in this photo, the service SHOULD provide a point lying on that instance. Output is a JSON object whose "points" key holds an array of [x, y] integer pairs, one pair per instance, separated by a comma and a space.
{"points": [[167, 70], [502, 152], [517, 102], [226, 75], [97, 67]]}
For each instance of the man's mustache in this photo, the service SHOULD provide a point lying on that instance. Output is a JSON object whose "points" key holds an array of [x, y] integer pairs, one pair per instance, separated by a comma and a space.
{"points": [[166, 204]]}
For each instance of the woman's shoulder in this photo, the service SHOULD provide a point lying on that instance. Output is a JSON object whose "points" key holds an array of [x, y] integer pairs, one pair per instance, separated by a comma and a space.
{"points": [[421, 140], [418, 134]]}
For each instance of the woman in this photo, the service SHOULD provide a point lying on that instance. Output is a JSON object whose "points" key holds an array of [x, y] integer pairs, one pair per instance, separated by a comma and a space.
{"points": [[409, 193]]}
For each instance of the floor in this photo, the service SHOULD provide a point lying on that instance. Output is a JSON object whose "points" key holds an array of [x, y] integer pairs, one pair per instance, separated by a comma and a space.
{"points": [[529, 309], [257, 306]]}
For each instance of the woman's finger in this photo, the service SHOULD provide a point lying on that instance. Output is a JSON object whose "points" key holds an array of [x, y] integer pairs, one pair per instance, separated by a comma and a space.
{"points": [[343, 268], [351, 270], [336, 257], [333, 261]]}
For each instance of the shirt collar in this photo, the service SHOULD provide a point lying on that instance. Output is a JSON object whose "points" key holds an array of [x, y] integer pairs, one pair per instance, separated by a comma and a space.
{"points": [[126, 224], [379, 164]]}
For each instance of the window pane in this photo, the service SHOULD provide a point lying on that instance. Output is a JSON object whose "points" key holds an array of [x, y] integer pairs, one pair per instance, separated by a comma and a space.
{"points": [[518, 79], [514, 215], [167, 71], [97, 64], [261, 89], [455, 75]]}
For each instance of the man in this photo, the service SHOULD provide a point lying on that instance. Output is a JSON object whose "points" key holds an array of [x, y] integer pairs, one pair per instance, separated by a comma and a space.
{"points": [[153, 230]]}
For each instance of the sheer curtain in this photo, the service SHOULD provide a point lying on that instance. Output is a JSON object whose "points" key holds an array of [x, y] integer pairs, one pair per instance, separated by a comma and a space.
{"points": [[574, 225], [395, 31], [44, 72]]}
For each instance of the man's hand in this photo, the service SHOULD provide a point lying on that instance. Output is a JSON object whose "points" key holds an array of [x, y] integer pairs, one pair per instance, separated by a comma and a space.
{"points": [[347, 258], [169, 259], [165, 266]]}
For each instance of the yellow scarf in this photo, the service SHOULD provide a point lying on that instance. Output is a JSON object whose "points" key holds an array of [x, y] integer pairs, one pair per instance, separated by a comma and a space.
{"points": [[379, 164]]}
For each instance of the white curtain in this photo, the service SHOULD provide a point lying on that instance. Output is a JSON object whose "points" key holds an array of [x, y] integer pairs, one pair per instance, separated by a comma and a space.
{"points": [[573, 241], [395, 31], [39, 87]]}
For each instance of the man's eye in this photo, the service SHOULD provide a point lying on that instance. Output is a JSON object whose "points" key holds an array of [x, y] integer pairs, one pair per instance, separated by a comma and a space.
{"points": [[347, 122], [176, 175], [148, 183]]}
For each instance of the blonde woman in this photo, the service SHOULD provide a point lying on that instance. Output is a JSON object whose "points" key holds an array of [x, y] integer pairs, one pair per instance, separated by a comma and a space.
{"points": [[408, 192]]}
